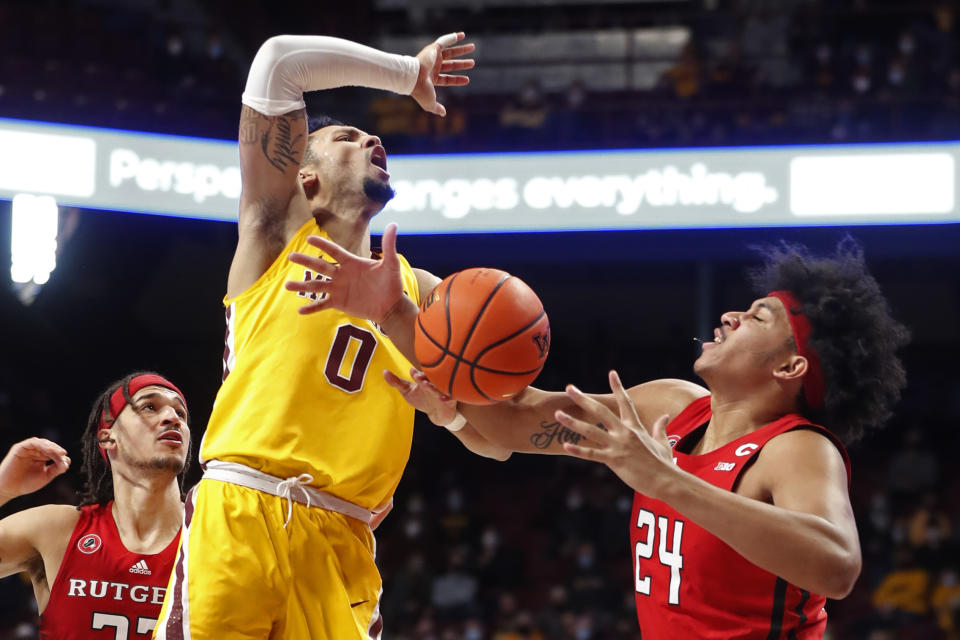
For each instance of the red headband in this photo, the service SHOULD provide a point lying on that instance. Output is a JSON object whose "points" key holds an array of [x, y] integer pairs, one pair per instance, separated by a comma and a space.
{"points": [[813, 386], [118, 401]]}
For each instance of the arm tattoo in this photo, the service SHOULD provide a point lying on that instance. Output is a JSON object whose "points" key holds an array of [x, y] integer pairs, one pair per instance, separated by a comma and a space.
{"points": [[550, 431], [248, 126], [280, 149]]}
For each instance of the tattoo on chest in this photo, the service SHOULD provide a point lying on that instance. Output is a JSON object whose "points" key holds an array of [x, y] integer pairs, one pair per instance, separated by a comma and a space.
{"points": [[554, 431]]}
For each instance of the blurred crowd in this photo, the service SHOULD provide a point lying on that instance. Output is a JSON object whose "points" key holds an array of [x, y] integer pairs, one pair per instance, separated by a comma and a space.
{"points": [[751, 72]]}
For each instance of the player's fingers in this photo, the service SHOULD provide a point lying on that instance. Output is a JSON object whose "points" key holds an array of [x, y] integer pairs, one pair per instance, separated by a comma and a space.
{"points": [[628, 412], [398, 383], [588, 430], [314, 307], [389, 243], [456, 65], [659, 429], [51, 445], [330, 248], [451, 81], [319, 265], [39, 449], [310, 286], [584, 453], [459, 50], [595, 410], [449, 39], [57, 466], [420, 378]]}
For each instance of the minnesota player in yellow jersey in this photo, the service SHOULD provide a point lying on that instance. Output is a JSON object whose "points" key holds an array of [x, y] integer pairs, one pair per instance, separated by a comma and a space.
{"points": [[307, 441]]}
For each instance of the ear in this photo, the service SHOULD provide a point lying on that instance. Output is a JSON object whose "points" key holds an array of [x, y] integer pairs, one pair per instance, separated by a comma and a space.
{"points": [[105, 438], [310, 181], [794, 367]]}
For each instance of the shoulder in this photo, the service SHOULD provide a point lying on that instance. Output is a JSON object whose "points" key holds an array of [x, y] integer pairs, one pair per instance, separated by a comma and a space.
{"points": [[800, 455], [426, 281], [47, 529], [58, 521], [664, 396], [51, 516]]}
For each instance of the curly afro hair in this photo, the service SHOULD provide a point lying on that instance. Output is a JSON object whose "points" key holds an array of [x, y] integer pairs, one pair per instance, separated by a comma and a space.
{"points": [[97, 477], [852, 331]]}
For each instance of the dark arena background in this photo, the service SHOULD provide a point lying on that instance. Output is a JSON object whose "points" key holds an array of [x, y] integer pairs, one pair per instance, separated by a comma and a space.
{"points": [[800, 107]]}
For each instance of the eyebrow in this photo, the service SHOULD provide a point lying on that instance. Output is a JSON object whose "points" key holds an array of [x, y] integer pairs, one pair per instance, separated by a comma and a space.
{"points": [[154, 394], [353, 131], [769, 308]]}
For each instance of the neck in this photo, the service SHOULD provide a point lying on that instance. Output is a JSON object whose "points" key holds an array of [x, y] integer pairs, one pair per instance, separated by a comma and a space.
{"points": [[735, 416], [350, 232], [147, 510]]}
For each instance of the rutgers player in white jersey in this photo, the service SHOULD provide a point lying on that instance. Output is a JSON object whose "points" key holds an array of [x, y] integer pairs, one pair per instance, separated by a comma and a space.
{"points": [[100, 569]]}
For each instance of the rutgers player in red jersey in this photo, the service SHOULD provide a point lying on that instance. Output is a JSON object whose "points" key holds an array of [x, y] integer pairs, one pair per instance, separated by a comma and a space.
{"points": [[100, 570], [742, 524]]}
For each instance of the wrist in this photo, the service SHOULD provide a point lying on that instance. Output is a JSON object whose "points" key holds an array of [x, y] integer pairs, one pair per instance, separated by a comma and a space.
{"points": [[402, 307], [672, 483], [7, 496], [457, 423]]}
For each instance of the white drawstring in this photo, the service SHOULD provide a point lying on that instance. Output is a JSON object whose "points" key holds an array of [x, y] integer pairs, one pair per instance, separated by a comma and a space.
{"points": [[244, 476], [285, 488]]}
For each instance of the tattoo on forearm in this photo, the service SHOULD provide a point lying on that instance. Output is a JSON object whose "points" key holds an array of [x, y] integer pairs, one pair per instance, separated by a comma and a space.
{"points": [[550, 431], [280, 145]]}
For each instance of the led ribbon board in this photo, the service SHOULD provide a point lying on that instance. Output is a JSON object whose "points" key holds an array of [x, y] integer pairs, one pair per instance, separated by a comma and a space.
{"points": [[789, 186]]}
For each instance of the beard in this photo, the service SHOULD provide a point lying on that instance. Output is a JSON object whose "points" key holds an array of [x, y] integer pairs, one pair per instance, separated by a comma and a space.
{"points": [[171, 463], [378, 191]]}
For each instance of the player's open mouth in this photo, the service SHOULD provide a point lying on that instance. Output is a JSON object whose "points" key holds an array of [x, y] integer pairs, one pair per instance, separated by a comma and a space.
{"points": [[717, 336], [173, 437], [379, 158]]}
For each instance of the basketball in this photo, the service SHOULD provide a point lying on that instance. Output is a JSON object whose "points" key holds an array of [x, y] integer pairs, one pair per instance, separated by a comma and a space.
{"points": [[481, 336]]}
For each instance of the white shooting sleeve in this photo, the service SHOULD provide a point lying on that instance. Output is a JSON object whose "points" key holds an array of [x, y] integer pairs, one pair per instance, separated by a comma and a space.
{"points": [[287, 66]]}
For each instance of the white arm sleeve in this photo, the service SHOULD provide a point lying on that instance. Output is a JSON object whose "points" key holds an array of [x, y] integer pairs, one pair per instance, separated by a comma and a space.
{"points": [[287, 66]]}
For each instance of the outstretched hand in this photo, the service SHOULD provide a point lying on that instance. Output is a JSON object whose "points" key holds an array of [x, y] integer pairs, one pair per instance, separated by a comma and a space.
{"points": [[30, 465], [437, 60], [357, 286], [423, 396], [637, 455]]}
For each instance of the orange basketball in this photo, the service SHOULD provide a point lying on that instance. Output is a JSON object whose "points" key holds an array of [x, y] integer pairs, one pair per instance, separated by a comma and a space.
{"points": [[482, 336]]}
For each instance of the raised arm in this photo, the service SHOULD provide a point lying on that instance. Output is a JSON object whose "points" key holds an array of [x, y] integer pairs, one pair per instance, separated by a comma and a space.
{"points": [[27, 467], [273, 125], [526, 423]]}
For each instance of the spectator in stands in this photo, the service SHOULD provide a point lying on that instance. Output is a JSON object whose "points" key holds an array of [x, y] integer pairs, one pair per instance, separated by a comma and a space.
{"points": [[914, 469], [524, 117], [683, 78], [946, 602], [903, 595]]}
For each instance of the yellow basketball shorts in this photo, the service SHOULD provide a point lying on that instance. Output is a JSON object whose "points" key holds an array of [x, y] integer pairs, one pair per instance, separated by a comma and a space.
{"points": [[240, 574]]}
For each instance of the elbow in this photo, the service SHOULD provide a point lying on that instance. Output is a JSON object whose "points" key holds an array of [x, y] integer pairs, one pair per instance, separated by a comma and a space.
{"points": [[272, 48], [842, 576]]}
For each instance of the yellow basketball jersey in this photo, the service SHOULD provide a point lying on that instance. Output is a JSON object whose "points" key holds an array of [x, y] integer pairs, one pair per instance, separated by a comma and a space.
{"points": [[306, 394]]}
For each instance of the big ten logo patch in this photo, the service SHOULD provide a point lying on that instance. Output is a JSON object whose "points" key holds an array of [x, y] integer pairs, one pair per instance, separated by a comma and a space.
{"points": [[89, 543], [307, 277]]}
